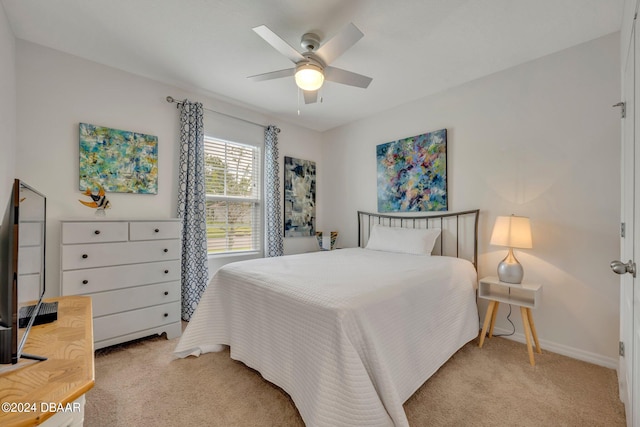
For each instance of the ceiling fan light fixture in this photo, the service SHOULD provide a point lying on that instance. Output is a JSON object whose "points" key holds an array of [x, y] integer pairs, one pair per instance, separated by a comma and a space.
{"points": [[309, 77]]}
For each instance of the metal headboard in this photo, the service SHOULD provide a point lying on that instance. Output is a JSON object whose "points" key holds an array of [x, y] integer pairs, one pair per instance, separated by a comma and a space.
{"points": [[459, 236]]}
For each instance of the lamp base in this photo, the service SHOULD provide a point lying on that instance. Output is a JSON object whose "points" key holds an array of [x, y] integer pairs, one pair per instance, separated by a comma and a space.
{"points": [[510, 270]]}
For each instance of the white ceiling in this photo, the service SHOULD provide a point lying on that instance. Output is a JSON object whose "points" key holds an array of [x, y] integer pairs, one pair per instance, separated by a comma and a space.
{"points": [[411, 48]]}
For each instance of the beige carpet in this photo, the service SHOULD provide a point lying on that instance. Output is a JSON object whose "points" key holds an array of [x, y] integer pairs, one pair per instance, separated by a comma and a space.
{"points": [[139, 384]]}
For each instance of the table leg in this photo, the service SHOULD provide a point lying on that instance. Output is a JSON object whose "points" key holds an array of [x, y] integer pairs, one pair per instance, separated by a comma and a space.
{"points": [[493, 319], [533, 330], [527, 334], [487, 319]]}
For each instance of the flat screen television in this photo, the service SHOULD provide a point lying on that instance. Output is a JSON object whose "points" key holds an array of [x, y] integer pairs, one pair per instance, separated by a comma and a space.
{"points": [[22, 269]]}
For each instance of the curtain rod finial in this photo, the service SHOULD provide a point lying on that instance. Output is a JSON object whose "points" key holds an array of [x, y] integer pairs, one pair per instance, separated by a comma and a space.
{"points": [[170, 99]]}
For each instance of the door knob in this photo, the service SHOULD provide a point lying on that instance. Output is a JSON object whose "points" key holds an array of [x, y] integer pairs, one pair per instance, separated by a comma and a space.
{"points": [[620, 268]]}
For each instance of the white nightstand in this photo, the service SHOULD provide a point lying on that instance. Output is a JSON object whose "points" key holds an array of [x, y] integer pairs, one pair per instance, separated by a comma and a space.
{"points": [[524, 295]]}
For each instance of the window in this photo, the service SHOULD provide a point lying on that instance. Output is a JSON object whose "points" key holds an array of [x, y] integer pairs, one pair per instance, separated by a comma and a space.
{"points": [[232, 182]]}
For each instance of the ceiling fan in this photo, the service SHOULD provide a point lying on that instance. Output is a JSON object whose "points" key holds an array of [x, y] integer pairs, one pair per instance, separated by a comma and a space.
{"points": [[312, 67]]}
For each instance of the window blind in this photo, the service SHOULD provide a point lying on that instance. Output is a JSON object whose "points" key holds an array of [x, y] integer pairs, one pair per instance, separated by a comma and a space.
{"points": [[233, 188]]}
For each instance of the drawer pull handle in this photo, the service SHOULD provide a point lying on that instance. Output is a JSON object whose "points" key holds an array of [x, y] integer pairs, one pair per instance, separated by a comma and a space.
{"points": [[97, 232], [166, 272], [85, 256], [166, 292], [166, 250], [85, 281], [157, 230], [166, 315]]}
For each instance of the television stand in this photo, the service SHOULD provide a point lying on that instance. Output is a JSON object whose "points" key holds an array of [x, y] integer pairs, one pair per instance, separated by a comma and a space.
{"points": [[60, 381], [33, 357]]}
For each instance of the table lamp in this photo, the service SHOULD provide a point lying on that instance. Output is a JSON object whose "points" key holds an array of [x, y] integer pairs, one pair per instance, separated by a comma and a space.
{"points": [[512, 232]]}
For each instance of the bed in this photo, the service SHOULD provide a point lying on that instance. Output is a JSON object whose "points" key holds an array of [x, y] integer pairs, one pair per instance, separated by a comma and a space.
{"points": [[349, 334]]}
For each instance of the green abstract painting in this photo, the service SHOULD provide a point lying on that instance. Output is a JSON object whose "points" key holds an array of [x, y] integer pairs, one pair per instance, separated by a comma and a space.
{"points": [[118, 160]]}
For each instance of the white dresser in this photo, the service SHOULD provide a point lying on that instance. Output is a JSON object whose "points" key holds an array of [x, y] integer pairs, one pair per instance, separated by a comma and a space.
{"points": [[131, 271]]}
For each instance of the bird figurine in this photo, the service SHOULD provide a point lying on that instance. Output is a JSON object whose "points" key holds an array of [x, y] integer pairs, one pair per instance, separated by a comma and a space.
{"points": [[98, 201]]}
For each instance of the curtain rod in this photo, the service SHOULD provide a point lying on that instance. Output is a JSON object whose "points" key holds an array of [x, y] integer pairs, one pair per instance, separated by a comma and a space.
{"points": [[172, 100]]}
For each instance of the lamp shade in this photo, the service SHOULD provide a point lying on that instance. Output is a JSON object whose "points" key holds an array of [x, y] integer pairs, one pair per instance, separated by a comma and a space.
{"points": [[512, 231], [309, 77]]}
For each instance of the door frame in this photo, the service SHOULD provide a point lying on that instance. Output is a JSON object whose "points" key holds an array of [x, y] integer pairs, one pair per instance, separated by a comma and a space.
{"points": [[628, 366]]}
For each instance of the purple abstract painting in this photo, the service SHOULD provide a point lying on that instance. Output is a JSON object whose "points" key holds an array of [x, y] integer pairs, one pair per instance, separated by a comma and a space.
{"points": [[412, 173]]}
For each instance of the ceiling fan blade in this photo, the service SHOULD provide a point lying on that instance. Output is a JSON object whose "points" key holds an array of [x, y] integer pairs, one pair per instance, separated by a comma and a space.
{"points": [[339, 43], [273, 75], [345, 77], [310, 96], [278, 44]]}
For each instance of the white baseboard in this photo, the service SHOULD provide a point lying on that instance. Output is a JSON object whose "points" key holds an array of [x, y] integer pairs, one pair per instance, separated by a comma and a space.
{"points": [[565, 350]]}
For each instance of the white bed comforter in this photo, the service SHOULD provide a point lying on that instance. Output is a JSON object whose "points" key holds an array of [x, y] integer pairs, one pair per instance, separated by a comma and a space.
{"points": [[350, 334]]}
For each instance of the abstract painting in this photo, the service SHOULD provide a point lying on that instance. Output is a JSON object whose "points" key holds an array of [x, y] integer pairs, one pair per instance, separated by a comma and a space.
{"points": [[119, 161], [412, 173], [299, 197]]}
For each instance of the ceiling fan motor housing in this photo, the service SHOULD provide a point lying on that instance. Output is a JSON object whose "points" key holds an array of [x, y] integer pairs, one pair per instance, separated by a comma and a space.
{"points": [[310, 42], [312, 59]]}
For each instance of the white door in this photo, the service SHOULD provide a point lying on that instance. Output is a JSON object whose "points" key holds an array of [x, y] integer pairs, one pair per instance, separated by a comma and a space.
{"points": [[632, 290], [629, 364]]}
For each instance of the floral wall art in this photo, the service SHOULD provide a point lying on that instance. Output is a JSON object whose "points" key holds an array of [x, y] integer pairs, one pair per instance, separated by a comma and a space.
{"points": [[119, 161], [412, 173], [299, 197]]}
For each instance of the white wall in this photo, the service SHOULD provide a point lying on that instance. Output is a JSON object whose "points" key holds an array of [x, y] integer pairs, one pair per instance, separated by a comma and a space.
{"points": [[7, 109], [56, 91], [539, 140]]}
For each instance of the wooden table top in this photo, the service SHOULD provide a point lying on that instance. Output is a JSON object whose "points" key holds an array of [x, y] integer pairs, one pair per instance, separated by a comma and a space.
{"points": [[31, 390]]}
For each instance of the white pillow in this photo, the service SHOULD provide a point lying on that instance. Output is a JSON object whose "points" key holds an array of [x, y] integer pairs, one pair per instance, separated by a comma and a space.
{"points": [[416, 241]]}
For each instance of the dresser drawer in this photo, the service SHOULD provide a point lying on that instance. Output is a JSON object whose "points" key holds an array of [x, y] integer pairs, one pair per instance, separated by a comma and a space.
{"points": [[30, 260], [108, 254], [31, 233], [30, 288], [94, 232], [115, 325], [133, 298], [90, 280], [154, 230]]}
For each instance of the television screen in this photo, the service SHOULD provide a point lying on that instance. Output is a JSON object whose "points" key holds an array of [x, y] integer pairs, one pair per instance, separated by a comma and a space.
{"points": [[30, 246], [22, 261]]}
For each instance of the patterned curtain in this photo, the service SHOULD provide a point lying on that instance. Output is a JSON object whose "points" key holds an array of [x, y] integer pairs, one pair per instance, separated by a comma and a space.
{"points": [[274, 240], [191, 207]]}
